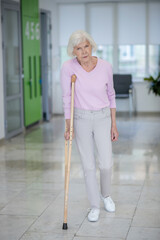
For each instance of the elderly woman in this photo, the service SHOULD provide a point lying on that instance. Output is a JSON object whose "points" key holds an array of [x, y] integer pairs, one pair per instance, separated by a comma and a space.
{"points": [[94, 116]]}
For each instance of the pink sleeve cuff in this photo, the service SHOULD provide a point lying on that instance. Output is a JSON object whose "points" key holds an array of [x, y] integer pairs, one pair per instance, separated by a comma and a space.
{"points": [[113, 104], [67, 113]]}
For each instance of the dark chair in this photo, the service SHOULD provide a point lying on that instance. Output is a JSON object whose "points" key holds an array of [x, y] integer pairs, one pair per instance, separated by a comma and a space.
{"points": [[124, 88]]}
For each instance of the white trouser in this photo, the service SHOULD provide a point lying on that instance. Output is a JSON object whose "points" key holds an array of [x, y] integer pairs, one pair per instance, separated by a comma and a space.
{"points": [[90, 126]]}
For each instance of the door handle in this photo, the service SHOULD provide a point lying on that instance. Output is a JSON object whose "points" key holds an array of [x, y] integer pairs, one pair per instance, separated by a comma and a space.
{"points": [[30, 83]]}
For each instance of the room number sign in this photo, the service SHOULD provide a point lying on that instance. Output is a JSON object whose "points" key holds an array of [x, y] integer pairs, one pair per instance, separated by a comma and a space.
{"points": [[32, 31]]}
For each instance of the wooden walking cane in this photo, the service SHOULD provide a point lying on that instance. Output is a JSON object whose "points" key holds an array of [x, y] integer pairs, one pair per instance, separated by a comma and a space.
{"points": [[68, 155]]}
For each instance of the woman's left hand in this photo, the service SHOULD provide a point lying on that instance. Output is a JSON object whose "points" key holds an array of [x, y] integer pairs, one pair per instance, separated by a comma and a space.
{"points": [[114, 133]]}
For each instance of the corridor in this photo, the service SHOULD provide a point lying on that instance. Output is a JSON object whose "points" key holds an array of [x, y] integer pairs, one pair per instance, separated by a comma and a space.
{"points": [[32, 183]]}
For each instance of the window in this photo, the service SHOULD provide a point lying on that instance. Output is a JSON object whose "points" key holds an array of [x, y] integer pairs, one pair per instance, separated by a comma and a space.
{"points": [[132, 60], [105, 52], [154, 60], [114, 26], [154, 38], [71, 18]]}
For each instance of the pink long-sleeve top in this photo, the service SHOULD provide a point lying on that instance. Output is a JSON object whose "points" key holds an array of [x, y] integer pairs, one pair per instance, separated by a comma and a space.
{"points": [[93, 90]]}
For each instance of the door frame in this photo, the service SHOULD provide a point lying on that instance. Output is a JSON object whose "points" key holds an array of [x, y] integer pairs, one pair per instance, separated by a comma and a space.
{"points": [[10, 5], [48, 14]]}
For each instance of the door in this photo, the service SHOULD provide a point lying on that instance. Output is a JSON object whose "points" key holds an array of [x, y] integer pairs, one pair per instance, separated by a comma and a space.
{"points": [[31, 61], [46, 63], [12, 69]]}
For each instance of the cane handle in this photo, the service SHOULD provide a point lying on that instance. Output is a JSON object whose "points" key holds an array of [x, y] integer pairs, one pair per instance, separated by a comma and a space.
{"points": [[73, 78]]}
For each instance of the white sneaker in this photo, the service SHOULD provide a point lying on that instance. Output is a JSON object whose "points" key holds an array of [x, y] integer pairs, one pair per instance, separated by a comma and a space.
{"points": [[93, 214], [109, 205]]}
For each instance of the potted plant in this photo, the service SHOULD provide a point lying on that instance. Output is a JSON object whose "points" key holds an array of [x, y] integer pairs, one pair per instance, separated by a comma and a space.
{"points": [[154, 84]]}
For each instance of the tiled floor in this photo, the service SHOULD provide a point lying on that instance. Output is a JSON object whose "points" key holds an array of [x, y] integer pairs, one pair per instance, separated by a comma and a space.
{"points": [[32, 182]]}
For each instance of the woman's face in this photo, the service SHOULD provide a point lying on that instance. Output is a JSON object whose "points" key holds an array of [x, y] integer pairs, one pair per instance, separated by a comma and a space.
{"points": [[83, 51]]}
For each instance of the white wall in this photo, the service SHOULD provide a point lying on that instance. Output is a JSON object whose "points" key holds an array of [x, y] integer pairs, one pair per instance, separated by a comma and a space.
{"points": [[1, 85], [145, 102]]}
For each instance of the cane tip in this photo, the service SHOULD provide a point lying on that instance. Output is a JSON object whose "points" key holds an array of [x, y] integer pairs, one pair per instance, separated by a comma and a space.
{"points": [[73, 78], [65, 227]]}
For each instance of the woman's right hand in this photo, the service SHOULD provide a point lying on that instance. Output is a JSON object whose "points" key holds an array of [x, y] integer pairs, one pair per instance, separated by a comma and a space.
{"points": [[67, 133]]}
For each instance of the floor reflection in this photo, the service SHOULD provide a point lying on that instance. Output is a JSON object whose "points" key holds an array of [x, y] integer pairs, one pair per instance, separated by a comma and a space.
{"points": [[32, 182]]}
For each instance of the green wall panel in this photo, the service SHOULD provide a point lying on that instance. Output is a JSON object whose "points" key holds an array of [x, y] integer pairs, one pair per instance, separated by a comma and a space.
{"points": [[30, 8], [31, 61]]}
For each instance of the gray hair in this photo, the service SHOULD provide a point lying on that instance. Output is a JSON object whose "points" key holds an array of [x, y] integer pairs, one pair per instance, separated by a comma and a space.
{"points": [[76, 38]]}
